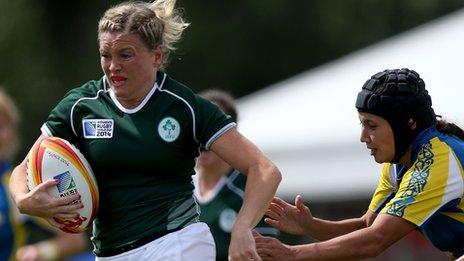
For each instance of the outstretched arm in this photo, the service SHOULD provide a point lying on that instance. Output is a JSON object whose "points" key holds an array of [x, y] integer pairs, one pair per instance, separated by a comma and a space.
{"points": [[363, 243], [263, 178], [298, 220]]}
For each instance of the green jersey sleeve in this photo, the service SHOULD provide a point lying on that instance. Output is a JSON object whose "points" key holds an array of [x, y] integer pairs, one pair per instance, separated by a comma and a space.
{"points": [[212, 122], [64, 120]]}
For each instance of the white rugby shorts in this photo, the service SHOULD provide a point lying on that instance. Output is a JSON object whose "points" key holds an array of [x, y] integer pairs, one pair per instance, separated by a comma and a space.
{"points": [[194, 242]]}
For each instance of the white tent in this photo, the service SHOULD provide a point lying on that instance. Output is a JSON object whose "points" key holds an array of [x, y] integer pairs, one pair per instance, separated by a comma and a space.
{"points": [[308, 124]]}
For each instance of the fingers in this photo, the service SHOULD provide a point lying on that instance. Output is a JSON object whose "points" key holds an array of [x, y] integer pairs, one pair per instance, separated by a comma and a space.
{"points": [[274, 211], [69, 208], [300, 205], [47, 184], [273, 223], [255, 256], [266, 255], [273, 219], [281, 203], [67, 211], [54, 223], [256, 234], [67, 200], [42, 193], [298, 201], [262, 240], [249, 255], [266, 248], [67, 215], [264, 252]]}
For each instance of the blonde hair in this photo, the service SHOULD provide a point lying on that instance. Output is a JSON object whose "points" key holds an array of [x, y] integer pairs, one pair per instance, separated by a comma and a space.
{"points": [[157, 23], [9, 118]]}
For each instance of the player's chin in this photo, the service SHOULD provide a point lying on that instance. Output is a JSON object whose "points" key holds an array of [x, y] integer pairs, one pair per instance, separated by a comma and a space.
{"points": [[120, 93], [381, 159]]}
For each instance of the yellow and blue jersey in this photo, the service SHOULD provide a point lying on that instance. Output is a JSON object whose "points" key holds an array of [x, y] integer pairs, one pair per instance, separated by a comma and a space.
{"points": [[430, 193], [11, 231]]}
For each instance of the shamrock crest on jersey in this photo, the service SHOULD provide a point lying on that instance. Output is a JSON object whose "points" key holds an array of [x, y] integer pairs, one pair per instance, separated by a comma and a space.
{"points": [[227, 219], [169, 129]]}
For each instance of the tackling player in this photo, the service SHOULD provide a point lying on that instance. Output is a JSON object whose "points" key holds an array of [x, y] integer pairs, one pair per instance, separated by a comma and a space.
{"points": [[421, 185]]}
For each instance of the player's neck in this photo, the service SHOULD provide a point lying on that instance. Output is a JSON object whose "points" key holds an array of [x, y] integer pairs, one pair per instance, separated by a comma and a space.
{"points": [[405, 160], [209, 176]]}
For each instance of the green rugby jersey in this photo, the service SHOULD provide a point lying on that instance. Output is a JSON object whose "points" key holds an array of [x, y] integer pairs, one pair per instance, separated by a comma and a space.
{"points": [[143, 158], [220, 210]]}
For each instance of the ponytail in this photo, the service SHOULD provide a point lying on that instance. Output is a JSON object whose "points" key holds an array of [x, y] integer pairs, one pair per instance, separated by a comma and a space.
{"points": [[174, 25], [450, 128]]}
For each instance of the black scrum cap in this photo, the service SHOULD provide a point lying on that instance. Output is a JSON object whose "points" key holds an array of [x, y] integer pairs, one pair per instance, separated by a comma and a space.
{"points": [[398, 96]]}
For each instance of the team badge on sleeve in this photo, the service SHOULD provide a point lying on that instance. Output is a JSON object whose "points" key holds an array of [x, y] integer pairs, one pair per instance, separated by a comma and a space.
{"points": [[97, 128], [169, 129]]}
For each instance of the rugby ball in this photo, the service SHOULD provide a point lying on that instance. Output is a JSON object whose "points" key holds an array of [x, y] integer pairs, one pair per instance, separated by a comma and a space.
{"points": [[56, 158]]}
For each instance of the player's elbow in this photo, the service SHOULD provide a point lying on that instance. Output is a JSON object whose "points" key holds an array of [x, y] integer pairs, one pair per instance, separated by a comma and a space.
{"points": [[277, 175], [274, 174]]}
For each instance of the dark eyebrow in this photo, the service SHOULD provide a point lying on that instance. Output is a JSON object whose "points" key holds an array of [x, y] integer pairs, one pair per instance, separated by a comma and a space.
{"points": [[367, 121]]}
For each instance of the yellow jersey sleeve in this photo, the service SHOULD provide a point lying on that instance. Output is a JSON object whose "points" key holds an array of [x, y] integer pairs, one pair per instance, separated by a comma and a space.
{"points": [[429, 184], [385, 188]]}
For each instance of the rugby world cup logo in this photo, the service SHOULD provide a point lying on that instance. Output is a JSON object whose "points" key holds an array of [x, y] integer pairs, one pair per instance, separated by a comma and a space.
{"points": [[90, 128], [98, 128], [66, 185]]}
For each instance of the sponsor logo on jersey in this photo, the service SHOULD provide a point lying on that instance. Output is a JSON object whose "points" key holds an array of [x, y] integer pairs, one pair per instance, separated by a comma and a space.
{"points": [[97, 128], [169, 129], [227, 219]]}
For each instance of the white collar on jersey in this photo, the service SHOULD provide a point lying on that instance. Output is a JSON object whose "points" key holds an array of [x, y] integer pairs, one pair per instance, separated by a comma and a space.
{"points": [[223, 181], [214, 191], [140, 106]]}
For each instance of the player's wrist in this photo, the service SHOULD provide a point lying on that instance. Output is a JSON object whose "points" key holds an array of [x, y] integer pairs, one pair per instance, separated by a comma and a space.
{"points": [[296, 253], [243, 223], [308, 227], [22, 202]]}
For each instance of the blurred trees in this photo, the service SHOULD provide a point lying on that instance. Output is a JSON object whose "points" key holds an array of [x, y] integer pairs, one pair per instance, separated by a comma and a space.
{"points": [[48, 47]]}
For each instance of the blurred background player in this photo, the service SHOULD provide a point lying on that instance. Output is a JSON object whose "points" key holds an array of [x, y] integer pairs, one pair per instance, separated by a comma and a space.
{"points": [[219, 188], [17, 229]]}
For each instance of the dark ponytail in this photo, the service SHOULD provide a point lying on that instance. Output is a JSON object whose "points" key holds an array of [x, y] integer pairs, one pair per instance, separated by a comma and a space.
{"points": [[450, 128]]}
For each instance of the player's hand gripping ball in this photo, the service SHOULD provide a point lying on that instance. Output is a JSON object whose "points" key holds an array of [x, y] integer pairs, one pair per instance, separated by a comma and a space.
{"points": [[55, 158]]}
